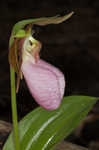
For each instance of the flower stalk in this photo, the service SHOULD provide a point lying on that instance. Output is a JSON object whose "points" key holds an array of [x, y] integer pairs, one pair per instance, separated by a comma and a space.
{"points": [[14, 109], [40, 76]]}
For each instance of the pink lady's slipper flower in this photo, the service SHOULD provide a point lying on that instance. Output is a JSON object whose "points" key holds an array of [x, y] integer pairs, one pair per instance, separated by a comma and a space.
{"points": [[45, 82]]}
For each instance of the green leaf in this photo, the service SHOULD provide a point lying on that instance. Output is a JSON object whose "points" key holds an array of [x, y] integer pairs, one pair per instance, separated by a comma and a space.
{"points": [[42, 129], [38, 21]]}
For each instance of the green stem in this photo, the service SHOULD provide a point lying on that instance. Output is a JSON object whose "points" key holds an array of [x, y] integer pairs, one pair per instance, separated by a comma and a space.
{"points": [[14, 109]]}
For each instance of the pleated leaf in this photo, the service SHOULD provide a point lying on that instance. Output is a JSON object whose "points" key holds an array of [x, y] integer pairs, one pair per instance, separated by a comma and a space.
{"points": [[42, 129]]}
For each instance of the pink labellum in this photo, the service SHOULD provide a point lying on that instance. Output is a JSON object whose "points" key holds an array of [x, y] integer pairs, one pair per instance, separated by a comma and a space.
{"points": [[45, 82]]}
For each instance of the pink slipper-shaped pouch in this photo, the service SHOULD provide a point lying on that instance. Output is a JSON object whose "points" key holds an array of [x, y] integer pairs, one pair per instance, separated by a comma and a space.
{"points": [[45, 82]]}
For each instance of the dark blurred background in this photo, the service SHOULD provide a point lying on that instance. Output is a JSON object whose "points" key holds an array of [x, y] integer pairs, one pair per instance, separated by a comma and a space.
{"points": [[71, 46]]}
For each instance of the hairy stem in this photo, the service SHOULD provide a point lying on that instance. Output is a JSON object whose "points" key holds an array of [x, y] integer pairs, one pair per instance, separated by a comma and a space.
{"points": [[14, 109]]}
